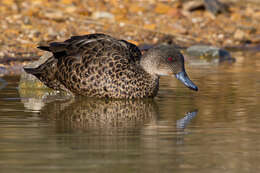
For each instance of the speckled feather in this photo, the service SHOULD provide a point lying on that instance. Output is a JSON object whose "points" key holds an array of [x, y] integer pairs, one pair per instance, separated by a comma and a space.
{"points": [[96, 65]]}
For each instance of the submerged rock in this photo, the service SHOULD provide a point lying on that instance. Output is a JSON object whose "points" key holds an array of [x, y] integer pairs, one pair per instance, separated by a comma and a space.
{"points": [[210, 53]]}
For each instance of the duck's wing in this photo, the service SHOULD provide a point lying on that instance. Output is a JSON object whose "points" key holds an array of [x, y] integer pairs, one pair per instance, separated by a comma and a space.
{"points": [[134, 51], [77, 45], [73, 46]]}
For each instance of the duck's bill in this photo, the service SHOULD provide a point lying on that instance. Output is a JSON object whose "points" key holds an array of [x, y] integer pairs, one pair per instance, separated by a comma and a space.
{"points": [[183, 77]]}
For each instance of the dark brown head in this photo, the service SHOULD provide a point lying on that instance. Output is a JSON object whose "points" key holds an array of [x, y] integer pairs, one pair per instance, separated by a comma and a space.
{"points": [[165, 60]]}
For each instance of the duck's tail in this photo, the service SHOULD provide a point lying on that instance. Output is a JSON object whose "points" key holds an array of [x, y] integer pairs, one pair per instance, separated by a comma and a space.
{"points": [[33, 71], [46, 73]]}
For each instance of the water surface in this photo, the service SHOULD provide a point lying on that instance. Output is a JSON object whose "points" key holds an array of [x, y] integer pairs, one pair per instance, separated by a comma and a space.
{"points": [[213, 130]]}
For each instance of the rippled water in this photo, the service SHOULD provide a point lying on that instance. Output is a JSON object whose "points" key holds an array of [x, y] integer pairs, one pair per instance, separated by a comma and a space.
{"points": [[214, 130]]}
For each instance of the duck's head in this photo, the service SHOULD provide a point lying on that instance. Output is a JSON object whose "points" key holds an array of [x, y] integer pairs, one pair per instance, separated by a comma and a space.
{"points": [[165, 60]]}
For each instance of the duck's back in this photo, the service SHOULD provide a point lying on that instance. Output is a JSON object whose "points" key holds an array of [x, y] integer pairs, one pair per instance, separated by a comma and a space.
{"points": [[98, 65]]}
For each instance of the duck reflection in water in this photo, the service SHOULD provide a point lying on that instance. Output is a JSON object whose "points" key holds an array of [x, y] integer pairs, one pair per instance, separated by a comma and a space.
{"points": [[90, 113], [104, 115]]}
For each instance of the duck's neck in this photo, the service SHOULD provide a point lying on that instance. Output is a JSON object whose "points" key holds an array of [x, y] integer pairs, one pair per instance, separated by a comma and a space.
{"points": [[147, 65], [150, 81]]}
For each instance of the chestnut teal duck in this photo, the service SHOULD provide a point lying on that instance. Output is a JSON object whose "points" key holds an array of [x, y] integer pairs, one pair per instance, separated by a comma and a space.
{"points": [[98, 65]]}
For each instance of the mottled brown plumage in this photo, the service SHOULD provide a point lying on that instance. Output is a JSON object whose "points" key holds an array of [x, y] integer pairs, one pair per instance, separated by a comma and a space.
{"points": [[101, 115], [98, 65]]}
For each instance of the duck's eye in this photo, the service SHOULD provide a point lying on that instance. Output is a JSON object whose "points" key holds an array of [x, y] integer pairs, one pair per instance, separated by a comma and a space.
{"points": [[170, 59]]}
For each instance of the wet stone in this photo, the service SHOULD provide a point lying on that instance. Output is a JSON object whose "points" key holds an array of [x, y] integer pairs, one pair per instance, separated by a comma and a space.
{"points": [[210, 53], [213, 6]]}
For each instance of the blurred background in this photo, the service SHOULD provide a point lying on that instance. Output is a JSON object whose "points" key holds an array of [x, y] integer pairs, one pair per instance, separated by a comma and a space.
{"points": [[26, 23]]}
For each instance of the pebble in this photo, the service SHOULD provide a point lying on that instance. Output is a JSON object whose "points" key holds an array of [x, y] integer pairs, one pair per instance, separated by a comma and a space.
{"points": [[193, 5], [103, 14], [54, 15], [239, 34], [255, 39]]}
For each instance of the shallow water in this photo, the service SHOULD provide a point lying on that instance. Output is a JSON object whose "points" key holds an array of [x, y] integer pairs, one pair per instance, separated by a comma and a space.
{"points": [[213, 130]]}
